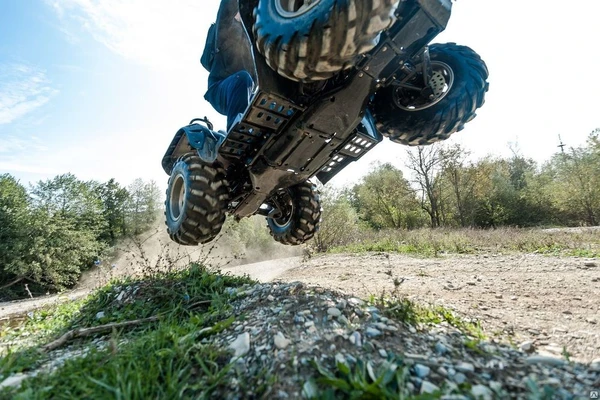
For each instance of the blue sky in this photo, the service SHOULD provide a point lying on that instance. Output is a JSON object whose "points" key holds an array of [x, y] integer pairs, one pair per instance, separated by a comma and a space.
{"points": [[99, 87]]}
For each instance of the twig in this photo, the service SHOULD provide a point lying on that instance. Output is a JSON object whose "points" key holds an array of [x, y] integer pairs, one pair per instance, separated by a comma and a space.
{"points": [[75, 333], [200, 303], [28, 291], [12, 283]]}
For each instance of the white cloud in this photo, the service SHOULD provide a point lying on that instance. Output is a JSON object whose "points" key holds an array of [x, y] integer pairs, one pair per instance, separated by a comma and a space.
{"points": [[156, 34], [23, 88]]}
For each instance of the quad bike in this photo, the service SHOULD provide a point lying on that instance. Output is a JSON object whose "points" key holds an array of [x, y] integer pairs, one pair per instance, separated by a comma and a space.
{"points": [[334, 78]]}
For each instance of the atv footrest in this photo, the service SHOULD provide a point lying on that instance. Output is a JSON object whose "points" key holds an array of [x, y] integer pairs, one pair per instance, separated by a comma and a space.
{"points": [[355, 147]]}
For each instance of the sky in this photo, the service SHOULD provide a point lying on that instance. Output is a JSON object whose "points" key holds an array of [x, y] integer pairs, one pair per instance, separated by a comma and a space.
{"points": [[98, 88]]}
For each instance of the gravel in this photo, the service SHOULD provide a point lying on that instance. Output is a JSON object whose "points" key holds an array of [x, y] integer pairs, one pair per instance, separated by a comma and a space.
{"points": [[285, 335]]}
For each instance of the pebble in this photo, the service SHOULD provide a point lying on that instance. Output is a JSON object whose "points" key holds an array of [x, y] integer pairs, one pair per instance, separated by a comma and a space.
{"points": [[481, 392], [342, 304], [281, 342], [372, 332], [465, 367], [428, 387], [459, 378], [514, 298], [526, 346], [383, 353], [421, 371], [334, 312], [440, 348], [270, 298], [356, 339], [536, 359], [241, 345], [100, 314]]}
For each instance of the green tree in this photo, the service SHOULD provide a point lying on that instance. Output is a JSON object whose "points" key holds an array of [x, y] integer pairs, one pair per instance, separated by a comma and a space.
{"points": [[14, 235], [114, 199], [142, 206], [339, 220], [385, 199]]}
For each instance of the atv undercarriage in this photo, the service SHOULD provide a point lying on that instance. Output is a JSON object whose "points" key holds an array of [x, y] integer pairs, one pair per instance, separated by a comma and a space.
{"points": [[297, 128]]}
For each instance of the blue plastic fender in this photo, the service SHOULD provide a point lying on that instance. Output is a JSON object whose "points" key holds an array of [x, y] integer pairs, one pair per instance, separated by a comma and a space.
{"points": [[193, 137]]}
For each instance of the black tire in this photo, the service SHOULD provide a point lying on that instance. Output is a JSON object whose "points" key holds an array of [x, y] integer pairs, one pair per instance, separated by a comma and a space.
{"points": [[447, 113], [315, 42], [197, 198], [303, 218]]}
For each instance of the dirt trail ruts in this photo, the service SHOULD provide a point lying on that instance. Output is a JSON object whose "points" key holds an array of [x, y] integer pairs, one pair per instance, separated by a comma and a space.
{"points": [[554, 302]]}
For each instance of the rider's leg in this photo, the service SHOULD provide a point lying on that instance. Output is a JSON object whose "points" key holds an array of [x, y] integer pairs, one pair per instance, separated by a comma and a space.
{"points": [[231, 96]]}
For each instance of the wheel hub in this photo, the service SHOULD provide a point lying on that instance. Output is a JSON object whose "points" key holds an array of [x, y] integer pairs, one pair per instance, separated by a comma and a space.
{"points": [[177, 198], [439, 85], [294, 8], [284, 210]]}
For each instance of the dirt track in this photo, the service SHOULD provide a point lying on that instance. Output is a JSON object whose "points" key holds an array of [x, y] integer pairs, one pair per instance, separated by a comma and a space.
{"points": [[553, 302]]}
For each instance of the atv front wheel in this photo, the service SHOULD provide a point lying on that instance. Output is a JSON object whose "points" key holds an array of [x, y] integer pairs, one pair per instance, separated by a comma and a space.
{"points": [[457, 87], [311, 40], [299, 214], [196, 202]]}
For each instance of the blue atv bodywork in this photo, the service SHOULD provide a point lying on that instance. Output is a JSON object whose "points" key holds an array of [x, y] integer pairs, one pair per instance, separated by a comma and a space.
{"points": [[197, 137]]}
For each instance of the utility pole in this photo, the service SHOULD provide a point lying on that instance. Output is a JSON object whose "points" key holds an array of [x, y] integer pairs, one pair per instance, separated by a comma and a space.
{"points": [[561, 145]]}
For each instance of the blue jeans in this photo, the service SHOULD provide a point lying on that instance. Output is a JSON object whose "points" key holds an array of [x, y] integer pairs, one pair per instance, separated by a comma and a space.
{"points": [[231, 95]]}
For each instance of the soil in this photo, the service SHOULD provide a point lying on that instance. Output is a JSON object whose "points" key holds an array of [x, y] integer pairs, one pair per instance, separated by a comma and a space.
{"points": [[553, 302]]}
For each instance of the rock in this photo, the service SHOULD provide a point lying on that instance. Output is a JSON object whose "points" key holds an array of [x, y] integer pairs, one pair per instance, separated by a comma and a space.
{"points": [[481, 392], [372, 332], [459, 378], [342, 304], [440, 348], [120, 296], [428, 387], [537, 359], [270, 298], [383, 353], [100, 314], [442, 371], [13, 381], [514, 298], [591, 265], [551, 382], [567, 312], [526, 346], [591, 321], [356, 339], [281, 342], [465, 367], [334, 312], [499, 296], [241, 345], [421, 371]]}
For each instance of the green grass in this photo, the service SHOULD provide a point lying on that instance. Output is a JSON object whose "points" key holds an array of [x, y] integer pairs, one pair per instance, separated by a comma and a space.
{"points": [[161, 359], [434, 242]]}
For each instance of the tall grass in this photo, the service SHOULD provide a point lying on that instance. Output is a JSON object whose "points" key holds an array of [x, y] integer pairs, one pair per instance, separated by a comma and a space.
{"points": [[431, 242]]}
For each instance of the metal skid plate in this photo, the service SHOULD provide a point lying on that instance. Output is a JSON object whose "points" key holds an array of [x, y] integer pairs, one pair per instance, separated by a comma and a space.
{"points": [[357, 145], [267, 116]]}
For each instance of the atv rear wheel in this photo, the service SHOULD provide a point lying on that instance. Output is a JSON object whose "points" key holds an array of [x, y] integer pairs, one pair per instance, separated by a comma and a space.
{"points": [[299, 214], [312, 40], [457, 87], [196, 202]]}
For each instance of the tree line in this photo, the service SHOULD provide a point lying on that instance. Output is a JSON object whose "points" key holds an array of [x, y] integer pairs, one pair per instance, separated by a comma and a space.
{"points": [[57, 228], [446, 190]]}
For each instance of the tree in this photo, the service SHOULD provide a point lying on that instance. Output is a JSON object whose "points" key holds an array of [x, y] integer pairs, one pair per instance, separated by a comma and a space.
{"points": [[385, 199], [425, 162], [339, 220], [143, 205], [114, 199], [14, 235]]}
